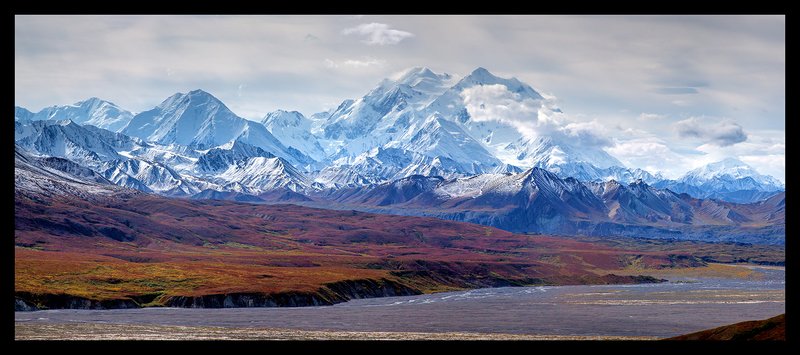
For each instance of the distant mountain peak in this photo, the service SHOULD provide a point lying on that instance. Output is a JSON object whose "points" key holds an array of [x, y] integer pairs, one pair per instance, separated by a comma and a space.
{"points": [[420, 72], [417, 71], [194, 97], [482, 76], [725, 176], [284, 112], [199, 92], [728, 166], [283, 117], [91, 100], [548, 152], [728, 162], [295, 130], [92, 111], [201, 121], [480, 71]]}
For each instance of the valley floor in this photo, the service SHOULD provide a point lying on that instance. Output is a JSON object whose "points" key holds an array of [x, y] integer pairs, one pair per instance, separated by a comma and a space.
{"points": [[696, 299], [96, 331]]}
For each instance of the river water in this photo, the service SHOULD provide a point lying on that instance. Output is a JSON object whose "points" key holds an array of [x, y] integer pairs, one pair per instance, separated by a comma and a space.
{"points": [[680, 306]]}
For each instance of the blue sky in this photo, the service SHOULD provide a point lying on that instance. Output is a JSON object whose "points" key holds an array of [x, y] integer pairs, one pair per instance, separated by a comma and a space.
{"points": [[669, 92]]}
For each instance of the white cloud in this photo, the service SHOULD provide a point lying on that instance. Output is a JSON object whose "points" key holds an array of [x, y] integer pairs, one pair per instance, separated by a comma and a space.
{"points": [[639, 148], [530, 117], [590, 133], [722, 133], [651, 117], [365, 62], [740, 60], [651, 154], [330, 63], [495, 103], [765, 150], [354, 64], [773, 164], [64, 59], [378, 33]]}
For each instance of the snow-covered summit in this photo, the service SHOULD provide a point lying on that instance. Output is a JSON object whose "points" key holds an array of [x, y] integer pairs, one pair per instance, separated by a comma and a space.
{"points": [[93, 111], [728, 171], [294, 131], [199, 120]]}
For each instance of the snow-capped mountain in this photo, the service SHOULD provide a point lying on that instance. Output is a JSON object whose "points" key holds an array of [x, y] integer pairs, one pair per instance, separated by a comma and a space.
{"points": [[294, 131], [498, 191], [428, 113], [421, 143], [120, 142], [156, 177], [556, 155], [74, 169], [21, 113], [57, 176], [396, 163], [388, 111], [244, 168], [440, 138], [90, 147], [318, 119], [479, 89], [730, 180], [173, 170], [337, 177], [178, 157], [730, 174], [422, 112], [221, 158], [395, 117], [64, 139], [261, 174], [93, 111], [418, 123], [199, 120]]}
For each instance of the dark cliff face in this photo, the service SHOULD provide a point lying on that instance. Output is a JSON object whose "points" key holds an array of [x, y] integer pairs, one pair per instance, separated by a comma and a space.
{"points": [[332, 293], [21, 305], [25, 301]]}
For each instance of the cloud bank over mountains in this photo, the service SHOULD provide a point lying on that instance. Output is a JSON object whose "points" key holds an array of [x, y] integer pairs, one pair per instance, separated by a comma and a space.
{"points": [[638, 77]]}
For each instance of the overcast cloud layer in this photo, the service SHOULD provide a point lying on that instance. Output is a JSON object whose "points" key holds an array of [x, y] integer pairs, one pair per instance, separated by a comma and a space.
{"points": [[665, 93]]}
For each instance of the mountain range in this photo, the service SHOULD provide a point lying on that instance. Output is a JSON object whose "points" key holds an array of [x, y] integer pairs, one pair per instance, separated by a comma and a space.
{"points": [[84, 242], [538, 201], [423, 143]]}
